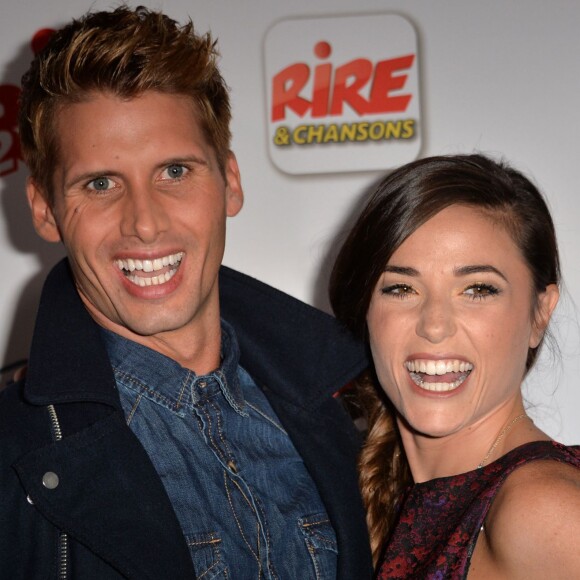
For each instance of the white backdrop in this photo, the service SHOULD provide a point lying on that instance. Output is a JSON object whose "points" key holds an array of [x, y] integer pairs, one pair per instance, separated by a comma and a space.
{"points": [[495, 76]]}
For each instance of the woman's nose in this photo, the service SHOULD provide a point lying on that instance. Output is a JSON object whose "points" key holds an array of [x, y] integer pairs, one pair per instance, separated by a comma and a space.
{"points": [[436, 320]]}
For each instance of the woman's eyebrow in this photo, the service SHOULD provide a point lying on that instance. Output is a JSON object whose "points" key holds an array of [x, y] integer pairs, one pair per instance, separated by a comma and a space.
{"points": [[459, 271], [478, 269], [404, 270]]}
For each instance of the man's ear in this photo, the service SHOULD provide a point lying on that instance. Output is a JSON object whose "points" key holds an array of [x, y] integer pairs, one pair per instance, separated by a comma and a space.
{"points": [[234, 191], [547, 301], [42, 214]]}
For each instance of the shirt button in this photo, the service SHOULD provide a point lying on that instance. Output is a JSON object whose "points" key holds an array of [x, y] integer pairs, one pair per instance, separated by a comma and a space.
{"points": [[50, 480]]}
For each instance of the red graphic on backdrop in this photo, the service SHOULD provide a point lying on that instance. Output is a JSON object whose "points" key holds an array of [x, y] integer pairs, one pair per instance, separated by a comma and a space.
{"points": [[40, 39], [10, 153], [333, 87]]}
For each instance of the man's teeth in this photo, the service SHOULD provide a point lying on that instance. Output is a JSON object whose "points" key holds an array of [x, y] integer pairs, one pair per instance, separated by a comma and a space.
{"points": [[151, 280], [417, 368], [130, 265]]}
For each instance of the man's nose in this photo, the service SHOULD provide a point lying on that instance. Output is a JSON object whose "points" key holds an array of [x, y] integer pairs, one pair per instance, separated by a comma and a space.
{"points": [[144, 216]]}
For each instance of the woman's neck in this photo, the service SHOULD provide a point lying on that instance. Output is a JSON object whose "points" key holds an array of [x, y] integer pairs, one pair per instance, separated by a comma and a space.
{"points": [[464, 450]]}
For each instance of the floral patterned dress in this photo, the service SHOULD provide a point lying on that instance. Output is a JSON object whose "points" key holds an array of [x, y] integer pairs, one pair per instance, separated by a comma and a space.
{"points": [[440, 520]]}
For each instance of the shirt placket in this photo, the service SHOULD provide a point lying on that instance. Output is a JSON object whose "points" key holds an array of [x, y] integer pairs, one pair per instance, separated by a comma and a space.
{"points": [[250, 520]]}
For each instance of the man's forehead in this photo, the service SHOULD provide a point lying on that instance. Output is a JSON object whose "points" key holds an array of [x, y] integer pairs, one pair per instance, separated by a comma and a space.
{"points": [[112, 113]]}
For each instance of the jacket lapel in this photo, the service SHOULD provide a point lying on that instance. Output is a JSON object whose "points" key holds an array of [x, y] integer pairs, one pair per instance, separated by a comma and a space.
{"points": [[110, 499], [109, 496]]}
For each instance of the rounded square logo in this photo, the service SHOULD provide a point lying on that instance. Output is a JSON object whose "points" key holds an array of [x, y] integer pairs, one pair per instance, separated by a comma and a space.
{"points": [[343, 93]]}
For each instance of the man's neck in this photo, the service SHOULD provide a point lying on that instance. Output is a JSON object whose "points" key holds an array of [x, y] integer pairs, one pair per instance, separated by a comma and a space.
{"points": [[196, 346], [199, 354]]}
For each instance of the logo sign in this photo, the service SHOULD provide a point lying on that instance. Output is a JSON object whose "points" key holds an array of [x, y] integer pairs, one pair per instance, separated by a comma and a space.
{"points": [[343, 94]]}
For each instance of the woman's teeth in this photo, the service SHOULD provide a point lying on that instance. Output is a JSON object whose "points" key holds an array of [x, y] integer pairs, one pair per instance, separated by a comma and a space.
{"points": [[169, 263], [438, 367], [419, 370]]}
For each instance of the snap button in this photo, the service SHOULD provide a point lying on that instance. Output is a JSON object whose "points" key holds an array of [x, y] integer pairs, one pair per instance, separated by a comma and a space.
{"points": [[50, 480], [29, 500]]}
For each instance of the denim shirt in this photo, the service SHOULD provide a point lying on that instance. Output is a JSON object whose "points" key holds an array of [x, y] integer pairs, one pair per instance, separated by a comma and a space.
{"points": [[246, 504]]}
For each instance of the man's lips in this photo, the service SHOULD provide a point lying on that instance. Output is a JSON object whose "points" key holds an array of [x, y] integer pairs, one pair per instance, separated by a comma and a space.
{"points": [[136, 270], [438, 375]]}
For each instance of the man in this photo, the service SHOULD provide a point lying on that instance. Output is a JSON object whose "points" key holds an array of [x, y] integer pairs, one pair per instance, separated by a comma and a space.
{"points": [[162, 431]]}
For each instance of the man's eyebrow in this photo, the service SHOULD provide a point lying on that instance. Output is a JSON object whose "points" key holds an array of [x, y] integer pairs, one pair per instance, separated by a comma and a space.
{"points": [[478, 269], [184, 159]]}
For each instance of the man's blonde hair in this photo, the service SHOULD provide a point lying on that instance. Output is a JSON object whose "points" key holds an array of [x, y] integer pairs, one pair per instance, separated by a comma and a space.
{"points": [[124, 52]]}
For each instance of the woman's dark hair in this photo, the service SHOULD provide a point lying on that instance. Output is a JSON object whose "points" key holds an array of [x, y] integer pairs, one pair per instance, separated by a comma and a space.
{"points": [[413, 194], [401, 203]]}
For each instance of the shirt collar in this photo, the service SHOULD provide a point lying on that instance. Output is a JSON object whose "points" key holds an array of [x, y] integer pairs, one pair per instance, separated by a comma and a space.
{"points": [[168, 378]]}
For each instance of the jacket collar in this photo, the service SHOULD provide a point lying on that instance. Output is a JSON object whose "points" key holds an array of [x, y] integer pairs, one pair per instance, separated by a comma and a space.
{"points": [[68, 360], [299, 352]]}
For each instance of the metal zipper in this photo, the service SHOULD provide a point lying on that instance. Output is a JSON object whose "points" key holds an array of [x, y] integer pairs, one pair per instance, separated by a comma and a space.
{"points": [[62, 558], [56, 432]]}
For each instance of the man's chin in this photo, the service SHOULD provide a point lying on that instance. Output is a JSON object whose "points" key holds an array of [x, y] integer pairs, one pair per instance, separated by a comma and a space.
{"points": [[147, 326]]}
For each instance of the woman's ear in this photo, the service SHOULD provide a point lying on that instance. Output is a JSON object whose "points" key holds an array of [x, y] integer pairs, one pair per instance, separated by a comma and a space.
{"points": [[546, 303], [42, 214]]}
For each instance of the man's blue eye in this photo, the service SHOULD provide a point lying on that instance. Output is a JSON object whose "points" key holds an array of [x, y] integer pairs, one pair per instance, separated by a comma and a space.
{"points": [[175, 171], [100, 184]]}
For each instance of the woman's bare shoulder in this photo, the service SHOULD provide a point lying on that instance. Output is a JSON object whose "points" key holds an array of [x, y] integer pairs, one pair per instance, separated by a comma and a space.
{"points": [[533, 526]]}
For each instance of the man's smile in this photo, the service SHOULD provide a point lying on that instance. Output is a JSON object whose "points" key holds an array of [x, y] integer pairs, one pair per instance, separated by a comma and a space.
{"points": [[134, 268]]}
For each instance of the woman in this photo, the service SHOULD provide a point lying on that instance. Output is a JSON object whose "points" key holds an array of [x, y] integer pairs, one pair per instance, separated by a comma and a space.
{"points": [[451, 272]]}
